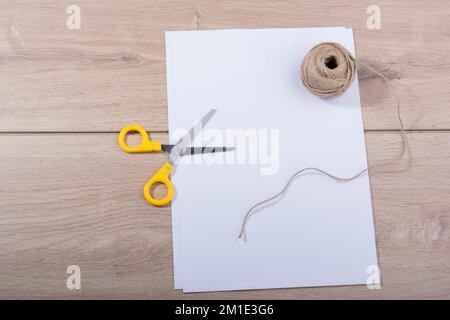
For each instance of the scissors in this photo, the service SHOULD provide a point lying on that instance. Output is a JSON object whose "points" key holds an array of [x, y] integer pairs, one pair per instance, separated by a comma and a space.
{"points": [[176, 151]]}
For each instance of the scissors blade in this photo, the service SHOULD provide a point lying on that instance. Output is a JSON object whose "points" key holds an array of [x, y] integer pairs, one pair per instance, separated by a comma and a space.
{"points": [[182, 145], [198, 150]]}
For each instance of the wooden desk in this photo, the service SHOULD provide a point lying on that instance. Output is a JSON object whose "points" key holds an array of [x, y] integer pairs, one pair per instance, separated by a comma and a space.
{"points": [[68, 195]]}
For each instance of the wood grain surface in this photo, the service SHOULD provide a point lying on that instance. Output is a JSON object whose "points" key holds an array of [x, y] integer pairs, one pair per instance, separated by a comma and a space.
{"points": [[68, 195]]}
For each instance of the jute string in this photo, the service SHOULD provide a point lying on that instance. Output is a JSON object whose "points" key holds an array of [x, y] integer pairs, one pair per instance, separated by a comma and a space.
{"points": [[327, 71]]}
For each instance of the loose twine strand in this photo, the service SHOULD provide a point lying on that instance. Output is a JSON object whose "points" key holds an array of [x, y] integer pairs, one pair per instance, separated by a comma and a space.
{"points": [[327, 71]]}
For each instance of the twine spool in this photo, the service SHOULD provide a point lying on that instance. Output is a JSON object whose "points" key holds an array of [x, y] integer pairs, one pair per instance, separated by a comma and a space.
{"points": [[328, 70]]}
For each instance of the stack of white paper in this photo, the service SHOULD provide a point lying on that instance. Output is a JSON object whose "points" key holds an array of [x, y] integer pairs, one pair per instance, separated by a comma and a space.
{"points": [[321, 232]]}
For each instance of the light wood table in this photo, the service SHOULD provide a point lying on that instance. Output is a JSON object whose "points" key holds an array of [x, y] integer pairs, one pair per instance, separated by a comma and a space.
{"points": [[68, 195]]}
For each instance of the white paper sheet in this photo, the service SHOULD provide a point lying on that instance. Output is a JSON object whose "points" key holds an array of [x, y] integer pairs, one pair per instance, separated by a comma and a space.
{"points": [[321, 232]]}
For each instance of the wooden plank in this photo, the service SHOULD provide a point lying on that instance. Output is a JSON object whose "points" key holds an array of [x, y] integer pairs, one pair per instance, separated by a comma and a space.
{"points": [[112, 71], [76, 199], [109, 73]]}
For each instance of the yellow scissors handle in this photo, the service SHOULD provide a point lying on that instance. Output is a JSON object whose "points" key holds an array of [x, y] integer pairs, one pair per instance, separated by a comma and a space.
{"points": [[162, 176], [147, 145]]}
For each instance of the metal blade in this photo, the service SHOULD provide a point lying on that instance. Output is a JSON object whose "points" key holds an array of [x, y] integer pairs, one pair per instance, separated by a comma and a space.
{"points": [[181, 146], [197, 150]]}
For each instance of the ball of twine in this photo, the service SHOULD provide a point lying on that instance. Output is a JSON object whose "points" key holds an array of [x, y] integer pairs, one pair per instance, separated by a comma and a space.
{"points": [[328, 70]]}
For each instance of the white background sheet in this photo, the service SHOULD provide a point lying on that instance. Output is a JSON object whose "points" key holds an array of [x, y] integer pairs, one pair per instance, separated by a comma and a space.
{"points": [[321, 232]]}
